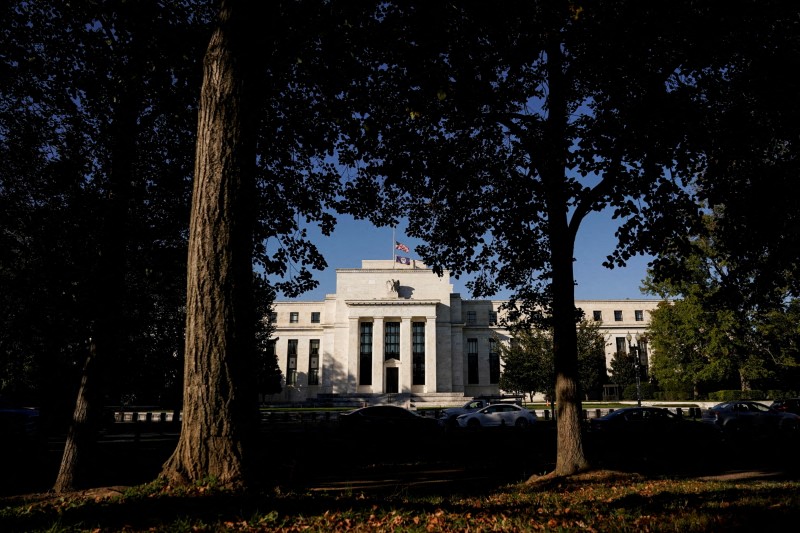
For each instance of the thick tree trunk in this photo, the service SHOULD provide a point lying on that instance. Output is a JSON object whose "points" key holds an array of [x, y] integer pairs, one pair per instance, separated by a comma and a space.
{"points": [[570, 457], [219, 402]]}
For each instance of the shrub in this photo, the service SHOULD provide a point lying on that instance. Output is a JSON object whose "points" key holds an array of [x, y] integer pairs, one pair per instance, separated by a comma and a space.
{"points": [[629, 392], [673, 395], [729, 395], [781, 394]]}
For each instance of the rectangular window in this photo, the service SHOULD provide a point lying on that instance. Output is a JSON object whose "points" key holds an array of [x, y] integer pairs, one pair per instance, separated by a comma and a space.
{"points": [[418, 353], [472, 361], [294, 318], [273, 317], [622, 345], [618, 316], [365, 354], [597, 316], [391, 341], [315, 318], [492, 318], [471, 319], [494, 363], [313, 362], [639, 314], [271, 347], [291, 362]]}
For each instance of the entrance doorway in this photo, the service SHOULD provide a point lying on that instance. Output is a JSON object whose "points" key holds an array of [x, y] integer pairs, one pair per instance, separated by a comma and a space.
{"points": [[392, 380]]}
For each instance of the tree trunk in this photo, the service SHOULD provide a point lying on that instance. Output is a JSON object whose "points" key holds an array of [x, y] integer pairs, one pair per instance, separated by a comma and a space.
{"points": [[570, 457], [107, 330], [80, 438], [219, 402]]}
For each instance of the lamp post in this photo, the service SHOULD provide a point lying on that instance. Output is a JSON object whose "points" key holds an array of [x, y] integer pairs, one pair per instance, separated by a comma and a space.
{"points": [[634, 349]]}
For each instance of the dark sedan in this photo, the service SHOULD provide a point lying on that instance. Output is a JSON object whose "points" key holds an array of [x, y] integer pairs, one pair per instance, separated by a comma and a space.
{"points": [[787, 405], [647, 432], [387, 418], [630, 422], [747, 416]]}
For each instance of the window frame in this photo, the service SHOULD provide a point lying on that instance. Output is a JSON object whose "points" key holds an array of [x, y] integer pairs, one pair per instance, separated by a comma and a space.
{"points": [[473, 370], [391, 341], [365, 336], [418, 353]]}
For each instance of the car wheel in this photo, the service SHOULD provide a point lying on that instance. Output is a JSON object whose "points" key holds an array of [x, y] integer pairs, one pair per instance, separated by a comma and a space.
{"points": [[521, 423], [473, 423], [790, 426], [732, 428]]}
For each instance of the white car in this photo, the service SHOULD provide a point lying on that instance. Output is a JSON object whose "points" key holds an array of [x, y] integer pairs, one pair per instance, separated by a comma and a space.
{"points": [[498, 415]]}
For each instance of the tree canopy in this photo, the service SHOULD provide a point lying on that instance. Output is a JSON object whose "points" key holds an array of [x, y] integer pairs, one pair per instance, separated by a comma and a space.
{"points": [[494, 131], [720, 330], [528, 361]]}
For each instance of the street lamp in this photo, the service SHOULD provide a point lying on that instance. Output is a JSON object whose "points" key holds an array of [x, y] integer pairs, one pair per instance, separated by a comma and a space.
{"points": [[634, 350]]}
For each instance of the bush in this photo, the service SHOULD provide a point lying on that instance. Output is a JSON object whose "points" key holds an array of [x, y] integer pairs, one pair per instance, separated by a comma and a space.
{"points": [[729, 395], [629, 392], [673, 395], [782, 394]]}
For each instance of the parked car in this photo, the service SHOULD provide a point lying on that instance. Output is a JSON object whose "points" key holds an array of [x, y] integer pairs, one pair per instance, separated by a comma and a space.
{"points": [[631, 423], [738, 416], [649, 434], [788, 405], [449, 415], [386, 417], [498, 414], [19, 426]]}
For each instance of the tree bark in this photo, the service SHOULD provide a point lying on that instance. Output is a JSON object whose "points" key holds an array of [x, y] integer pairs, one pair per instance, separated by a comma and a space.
{"points": [[74, 461], [107, 330], [219, 401], [570, 457]]}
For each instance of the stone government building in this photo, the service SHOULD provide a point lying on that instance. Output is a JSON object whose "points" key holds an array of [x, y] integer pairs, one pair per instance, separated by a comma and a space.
{"points": [[396, 332]]}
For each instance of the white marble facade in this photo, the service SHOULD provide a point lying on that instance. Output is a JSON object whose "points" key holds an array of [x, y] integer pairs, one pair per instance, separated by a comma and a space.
{"points": [[393, 328]]}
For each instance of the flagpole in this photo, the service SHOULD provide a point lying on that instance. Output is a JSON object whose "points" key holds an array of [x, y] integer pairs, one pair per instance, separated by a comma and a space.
{"points": [[394, 259]]}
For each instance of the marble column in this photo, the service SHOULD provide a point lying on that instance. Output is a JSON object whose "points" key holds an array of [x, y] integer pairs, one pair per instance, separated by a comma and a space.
{"points": [[353, 355], [377, 355], [430, 354], [405, 354]]}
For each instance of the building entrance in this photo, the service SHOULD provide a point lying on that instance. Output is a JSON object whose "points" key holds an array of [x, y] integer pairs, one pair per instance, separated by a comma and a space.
{"points": [[392, 380]]}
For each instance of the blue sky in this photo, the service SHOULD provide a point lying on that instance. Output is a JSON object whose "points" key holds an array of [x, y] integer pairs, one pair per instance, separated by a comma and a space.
{"points": [[354, 240]]}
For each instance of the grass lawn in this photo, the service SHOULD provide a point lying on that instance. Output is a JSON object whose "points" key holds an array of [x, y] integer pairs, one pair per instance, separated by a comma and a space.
{"points": [[601, 500]]}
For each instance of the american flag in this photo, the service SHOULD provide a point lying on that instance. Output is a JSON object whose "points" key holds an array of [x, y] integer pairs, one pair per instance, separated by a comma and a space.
{"points": [[401, 246]]}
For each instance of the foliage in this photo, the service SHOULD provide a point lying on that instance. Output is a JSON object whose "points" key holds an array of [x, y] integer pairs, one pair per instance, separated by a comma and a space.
{"points": [[528, 360], [646, 389], [516, 118], [716, 332], [622, 369], [70, 74], [600, 501], [728, 395], [96, 129]]}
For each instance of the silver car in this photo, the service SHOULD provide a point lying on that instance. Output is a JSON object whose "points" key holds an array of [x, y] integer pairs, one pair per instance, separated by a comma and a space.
{"points": [[498, 415], [740, 415]]}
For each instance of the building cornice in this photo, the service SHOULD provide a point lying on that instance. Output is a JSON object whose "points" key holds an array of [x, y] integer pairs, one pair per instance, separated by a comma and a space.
{"points": [[393, 301]]}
